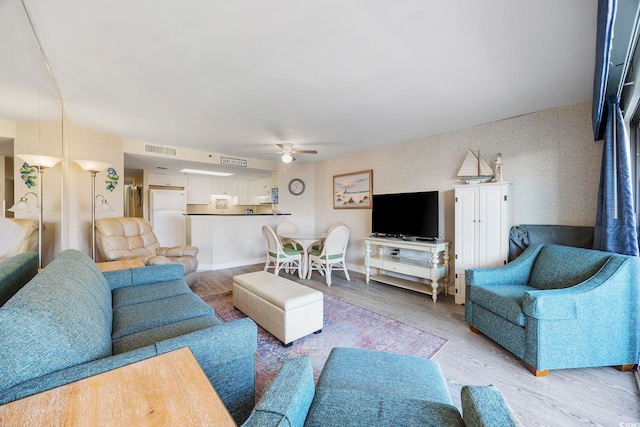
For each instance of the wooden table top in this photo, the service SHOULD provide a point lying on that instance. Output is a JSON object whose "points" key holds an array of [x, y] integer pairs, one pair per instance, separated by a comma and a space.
{"points": [[123, 264], [166, 390]]}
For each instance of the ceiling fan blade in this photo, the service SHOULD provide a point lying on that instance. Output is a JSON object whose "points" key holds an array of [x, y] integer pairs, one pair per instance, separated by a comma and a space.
{"points": [[293, 158], [281, 146], [305, 151]]}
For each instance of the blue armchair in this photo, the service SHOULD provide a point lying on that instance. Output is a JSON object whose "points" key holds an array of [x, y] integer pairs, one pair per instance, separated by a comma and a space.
{"points": [[558, 307]]}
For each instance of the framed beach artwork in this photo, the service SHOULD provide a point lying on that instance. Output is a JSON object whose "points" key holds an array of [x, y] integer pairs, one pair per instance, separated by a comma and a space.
{"points": [[353, 190]]}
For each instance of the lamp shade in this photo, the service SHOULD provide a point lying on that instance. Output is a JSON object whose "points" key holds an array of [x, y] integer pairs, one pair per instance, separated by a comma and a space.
{"points": [[39, 160], [287, 158], [21, 205], [92, 165], [104, 205]]}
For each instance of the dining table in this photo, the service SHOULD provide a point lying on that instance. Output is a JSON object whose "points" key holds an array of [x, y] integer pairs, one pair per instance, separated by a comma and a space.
{"points": [[305, 239]]}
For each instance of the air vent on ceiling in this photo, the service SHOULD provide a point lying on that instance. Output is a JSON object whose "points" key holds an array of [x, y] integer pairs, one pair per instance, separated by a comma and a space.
{"points": [[158, 149]]}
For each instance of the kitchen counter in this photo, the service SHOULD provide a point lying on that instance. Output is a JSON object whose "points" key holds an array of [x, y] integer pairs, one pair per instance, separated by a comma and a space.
{"points": [[213, 214], [230, 240]]}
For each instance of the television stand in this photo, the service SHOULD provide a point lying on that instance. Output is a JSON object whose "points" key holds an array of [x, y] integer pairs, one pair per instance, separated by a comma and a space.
{"points": [[417, 266]]}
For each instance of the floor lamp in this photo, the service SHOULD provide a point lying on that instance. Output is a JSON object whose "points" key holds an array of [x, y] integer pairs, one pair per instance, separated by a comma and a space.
{"points": [[94, 167], [40, 163]]}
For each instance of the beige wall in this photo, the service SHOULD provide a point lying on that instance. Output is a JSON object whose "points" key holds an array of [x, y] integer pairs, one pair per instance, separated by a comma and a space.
{"points": [[89, 144], [302, 207], [549, 156]]}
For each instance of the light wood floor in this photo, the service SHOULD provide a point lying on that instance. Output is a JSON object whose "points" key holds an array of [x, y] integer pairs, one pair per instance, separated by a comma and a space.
{"points": [[570, 397]]}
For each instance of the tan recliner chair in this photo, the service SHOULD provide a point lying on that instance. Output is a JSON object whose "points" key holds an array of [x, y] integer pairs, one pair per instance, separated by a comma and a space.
{"points": [[128, 238], [18, 236]]}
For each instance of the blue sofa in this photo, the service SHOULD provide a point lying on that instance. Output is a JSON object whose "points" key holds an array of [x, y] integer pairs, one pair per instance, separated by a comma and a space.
{"points": [[15, 272], [558, 307], [71, 321], [369, 388]]}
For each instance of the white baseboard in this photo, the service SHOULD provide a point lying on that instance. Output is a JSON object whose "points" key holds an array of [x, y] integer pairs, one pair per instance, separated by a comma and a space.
{"points": [[238, 263]]}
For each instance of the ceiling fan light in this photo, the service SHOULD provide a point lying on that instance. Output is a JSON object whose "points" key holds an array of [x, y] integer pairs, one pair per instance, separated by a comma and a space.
{"points": [[287, 158]]}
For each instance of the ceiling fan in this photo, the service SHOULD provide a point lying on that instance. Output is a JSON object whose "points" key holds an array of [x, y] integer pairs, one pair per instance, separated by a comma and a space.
{"points": [[287, 151]]}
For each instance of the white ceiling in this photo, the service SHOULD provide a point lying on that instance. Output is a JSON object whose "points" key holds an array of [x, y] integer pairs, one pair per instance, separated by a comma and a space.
{"points": [[338, 76]]}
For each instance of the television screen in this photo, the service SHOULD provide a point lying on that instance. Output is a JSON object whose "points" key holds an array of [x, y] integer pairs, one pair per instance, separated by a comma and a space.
{"points": [[405, 214]]}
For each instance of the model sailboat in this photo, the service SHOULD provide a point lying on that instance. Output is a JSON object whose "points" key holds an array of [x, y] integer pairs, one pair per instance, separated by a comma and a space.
{"points": [[475, 169]]}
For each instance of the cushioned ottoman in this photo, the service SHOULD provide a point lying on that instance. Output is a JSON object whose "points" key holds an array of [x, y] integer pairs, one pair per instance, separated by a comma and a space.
{"points": [[286, 309]]}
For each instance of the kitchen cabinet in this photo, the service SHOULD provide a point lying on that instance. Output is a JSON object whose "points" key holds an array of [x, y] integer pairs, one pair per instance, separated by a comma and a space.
{"points": [[224, 187], [243, 195], [166, 180], [198, 190], [217, 186], [259, 191]]}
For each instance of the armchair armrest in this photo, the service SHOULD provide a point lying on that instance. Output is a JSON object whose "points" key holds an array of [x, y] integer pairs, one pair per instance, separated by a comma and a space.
{"points": [[602, 290], [484, 406], [217, 344], [516, 272], [288, 397], [177, 251]]}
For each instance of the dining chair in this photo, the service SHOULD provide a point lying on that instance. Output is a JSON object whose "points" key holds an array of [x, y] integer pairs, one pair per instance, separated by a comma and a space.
{"points": [[332, 254], [316, 246], [284, 228], [278, 256]]}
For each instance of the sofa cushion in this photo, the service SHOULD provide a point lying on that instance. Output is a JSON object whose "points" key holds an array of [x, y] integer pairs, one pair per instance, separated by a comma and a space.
{"points": [[504, 300], [164, 332], [134, 318], [558, 267], [338, 407], [61, 318], [351, 391], [355, 370], [151, 292]]}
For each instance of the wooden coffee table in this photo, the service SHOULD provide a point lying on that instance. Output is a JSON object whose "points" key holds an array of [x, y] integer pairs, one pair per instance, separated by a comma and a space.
{"points": [[124, 264], [170, 389]]}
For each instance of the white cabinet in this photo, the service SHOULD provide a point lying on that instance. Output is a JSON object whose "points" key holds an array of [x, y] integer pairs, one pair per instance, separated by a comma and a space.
{"points": [[222, 186], [259, 191], [198, 190], [167, 180], [230, 187], [421, 267], [243, 195], [217, 186], [482, 222]]}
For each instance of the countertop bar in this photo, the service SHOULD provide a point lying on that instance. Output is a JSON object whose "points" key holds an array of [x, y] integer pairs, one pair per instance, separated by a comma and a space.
{"points": [[212, 214]]}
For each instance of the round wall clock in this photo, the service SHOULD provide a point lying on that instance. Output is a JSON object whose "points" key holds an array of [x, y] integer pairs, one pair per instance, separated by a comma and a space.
{"points": [[296, 186]]}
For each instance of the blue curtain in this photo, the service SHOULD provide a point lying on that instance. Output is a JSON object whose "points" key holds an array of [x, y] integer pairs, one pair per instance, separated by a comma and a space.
{"points": [[606, 18], [615, 229]]}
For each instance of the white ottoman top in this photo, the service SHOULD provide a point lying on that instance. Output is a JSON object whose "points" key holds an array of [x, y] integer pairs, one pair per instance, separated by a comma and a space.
{"points": [[279, 291]]}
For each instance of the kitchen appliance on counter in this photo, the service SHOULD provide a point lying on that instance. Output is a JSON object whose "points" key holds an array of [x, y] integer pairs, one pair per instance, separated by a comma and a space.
{"points": [[167, 210]]}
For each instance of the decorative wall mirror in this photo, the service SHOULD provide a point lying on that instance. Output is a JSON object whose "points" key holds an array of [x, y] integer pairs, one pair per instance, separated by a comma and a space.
{"points": [[30, 124]]}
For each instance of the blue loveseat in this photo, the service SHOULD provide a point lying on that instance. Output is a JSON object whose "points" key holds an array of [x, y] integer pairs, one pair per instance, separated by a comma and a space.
{"points": [[558, 307], [71, 321], [366, 388]]}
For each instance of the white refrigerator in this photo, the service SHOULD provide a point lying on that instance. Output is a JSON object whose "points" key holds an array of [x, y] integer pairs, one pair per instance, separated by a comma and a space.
{"points": [[167, 214]]}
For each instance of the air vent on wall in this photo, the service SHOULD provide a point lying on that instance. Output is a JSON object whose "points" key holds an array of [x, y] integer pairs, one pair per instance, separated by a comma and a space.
{"points": [[158, 149]]}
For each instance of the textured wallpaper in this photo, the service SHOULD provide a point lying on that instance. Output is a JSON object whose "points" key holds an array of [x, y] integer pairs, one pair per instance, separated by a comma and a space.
{"points": [[549, 156]]}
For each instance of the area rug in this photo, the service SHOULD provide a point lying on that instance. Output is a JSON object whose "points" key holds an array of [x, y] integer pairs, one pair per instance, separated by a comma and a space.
{"points": [[345, 325]]}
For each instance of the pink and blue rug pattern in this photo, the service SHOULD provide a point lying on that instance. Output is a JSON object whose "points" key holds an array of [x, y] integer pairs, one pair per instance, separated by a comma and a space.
{"points": [[345, 325]]}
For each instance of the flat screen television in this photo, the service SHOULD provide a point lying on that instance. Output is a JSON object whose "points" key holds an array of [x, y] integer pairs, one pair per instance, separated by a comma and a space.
{"points": [[408, 215]]}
